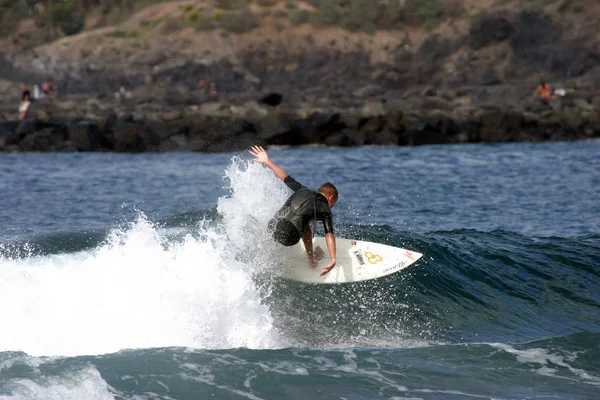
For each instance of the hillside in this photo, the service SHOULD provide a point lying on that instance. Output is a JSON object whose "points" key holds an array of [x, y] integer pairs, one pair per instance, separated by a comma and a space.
{"points": [[335, 44], [348, 71]]}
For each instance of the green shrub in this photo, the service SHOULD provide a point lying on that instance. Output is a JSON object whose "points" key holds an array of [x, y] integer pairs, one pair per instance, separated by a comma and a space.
{"points": [[238, 21], [279, 26], [172, 25], [329, 14], [123, 34], [188, 7], [360, 12], [65, 16], [8, 23], [431, 23], [62, 11], [299, 16], [73, 26], [431, 11], [266, 3], [422, 12], [204, 23], [391, 15], [231, 4], [280, 14], [193, 17], [368, 27]]}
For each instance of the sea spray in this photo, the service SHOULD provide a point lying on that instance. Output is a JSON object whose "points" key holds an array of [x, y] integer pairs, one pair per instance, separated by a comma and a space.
{"points": [[135, 291]]}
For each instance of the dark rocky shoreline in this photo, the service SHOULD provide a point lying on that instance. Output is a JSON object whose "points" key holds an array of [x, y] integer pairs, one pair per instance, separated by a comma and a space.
{"points": [[370, 117]]}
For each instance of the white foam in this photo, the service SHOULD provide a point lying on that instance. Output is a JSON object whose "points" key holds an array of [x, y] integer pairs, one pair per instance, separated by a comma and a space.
{"points": [[546, 359], [140, 290], [83, 384], [256, 195]]}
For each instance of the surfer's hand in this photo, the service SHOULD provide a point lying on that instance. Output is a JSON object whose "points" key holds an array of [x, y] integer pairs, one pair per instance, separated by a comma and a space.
{"points": [[260, 154], [325, 270], [312, 263]]}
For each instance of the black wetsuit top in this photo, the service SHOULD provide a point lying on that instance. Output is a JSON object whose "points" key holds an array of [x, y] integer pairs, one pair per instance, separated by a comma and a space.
{"points": [[299, 210]]}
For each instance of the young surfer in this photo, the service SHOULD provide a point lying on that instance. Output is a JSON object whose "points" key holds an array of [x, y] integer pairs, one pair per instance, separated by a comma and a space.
{"points": [[292, 221]]}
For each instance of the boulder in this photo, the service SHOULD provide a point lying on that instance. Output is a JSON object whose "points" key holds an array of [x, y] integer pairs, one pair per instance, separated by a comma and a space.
{"points": [[86, 136], [47, 139], [129, 138], [499, 125]]}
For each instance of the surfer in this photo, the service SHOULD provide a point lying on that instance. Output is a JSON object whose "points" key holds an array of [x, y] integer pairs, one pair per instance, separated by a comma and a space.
{"points": [[292, 221]]}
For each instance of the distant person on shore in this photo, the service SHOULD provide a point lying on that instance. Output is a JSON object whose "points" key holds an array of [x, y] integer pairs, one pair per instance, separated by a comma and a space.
{"points": [[545, 92], [24, 105], [212, 89], [292, 221], [46, 91]]}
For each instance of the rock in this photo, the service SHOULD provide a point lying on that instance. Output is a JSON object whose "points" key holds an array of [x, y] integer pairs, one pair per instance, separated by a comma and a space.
{"points": [[489, 29], [129, 138], [570, 120], [372, 125], [272, 124], [383, 138], [583, 105], [250, 110], [436, 103], [368, 91], [215, 109], [373, 108], [4, 131], [499, 126], [47, 139], [148, 59], [171, 115], [345, 139], [240, 141], [272, 99], [29, 125], [86, 136]]}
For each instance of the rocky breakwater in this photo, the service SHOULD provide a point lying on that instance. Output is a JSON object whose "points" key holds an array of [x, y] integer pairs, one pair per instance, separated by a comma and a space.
{"points": [[370, 116]]}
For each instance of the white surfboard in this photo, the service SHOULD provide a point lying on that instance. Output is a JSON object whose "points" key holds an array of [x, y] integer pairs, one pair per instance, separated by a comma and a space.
{"points": [[357, 260]]}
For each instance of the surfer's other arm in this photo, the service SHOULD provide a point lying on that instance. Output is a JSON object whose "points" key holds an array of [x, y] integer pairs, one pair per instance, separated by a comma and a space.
{"points": [[330, 240], [261, 156]]}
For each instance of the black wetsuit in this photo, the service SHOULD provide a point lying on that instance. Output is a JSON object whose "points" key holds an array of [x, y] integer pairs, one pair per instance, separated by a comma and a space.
{"points": [[299, 210]]}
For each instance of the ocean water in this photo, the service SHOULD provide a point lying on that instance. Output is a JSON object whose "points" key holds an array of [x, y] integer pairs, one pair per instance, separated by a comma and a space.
{"points": [[121, 276]]}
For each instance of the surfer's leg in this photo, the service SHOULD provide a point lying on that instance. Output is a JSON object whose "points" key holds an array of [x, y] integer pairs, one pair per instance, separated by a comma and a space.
{"points": [[286, 233]]}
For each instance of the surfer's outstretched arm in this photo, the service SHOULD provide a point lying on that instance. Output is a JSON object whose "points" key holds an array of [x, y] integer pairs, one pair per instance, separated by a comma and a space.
{"points": [[261, 156], [330, 240]]}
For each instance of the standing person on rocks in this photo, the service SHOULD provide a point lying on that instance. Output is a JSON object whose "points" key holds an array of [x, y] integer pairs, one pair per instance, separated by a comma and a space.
{"points": [[24, 105]]}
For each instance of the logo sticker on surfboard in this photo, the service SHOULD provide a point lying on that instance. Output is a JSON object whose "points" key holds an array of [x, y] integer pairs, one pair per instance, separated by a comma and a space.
{"points": [[373, 258]]}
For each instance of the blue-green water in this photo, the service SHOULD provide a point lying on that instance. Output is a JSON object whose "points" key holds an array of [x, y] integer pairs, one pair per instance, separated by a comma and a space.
{"points": [[121, 276]]}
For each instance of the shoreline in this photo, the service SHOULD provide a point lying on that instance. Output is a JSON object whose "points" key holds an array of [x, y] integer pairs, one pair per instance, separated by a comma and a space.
{"points": [[232, 122]]}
